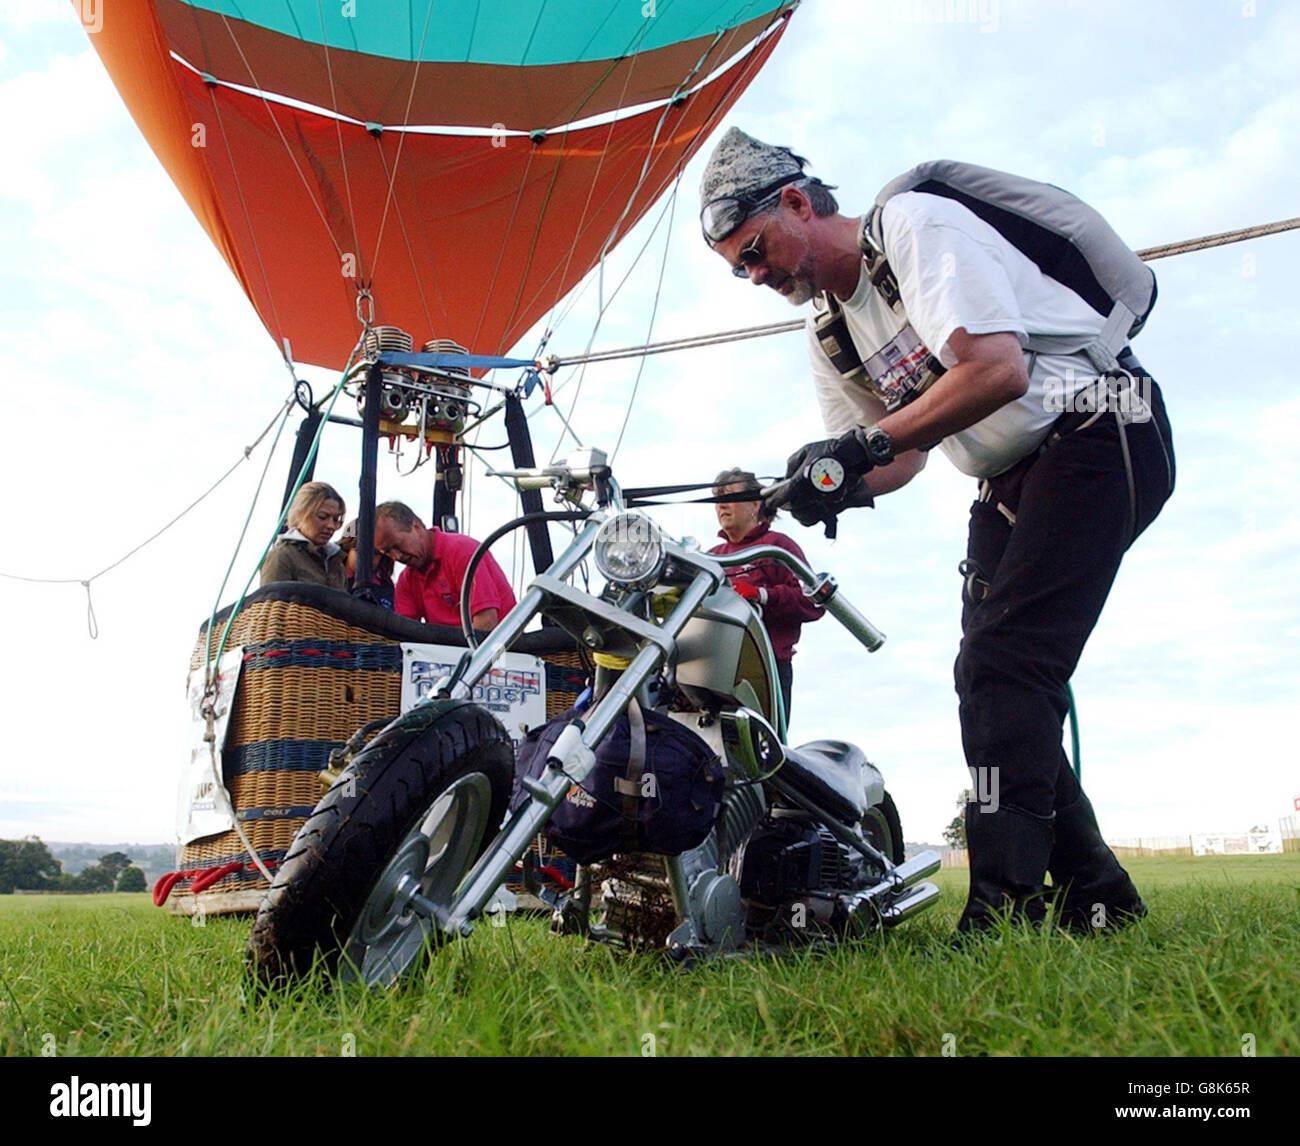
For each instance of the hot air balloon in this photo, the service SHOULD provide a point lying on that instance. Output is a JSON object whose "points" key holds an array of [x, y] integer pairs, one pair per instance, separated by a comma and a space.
{"points": [[383, 175], [464, 163]]}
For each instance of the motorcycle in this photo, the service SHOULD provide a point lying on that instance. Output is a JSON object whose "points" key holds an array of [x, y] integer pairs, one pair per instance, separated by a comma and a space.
{"points": [[411, 843]]}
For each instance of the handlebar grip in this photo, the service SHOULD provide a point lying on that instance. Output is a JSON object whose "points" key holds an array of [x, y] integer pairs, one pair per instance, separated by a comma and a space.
{"points": [[525, 479], [778, 494], [848, 616], [533, 481]]}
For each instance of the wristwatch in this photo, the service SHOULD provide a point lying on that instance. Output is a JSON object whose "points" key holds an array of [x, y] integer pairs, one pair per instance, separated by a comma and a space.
{"points": [[878, 444]]}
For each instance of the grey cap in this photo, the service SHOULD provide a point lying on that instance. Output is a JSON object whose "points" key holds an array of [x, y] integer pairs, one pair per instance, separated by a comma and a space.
{"points": [[741, 163]]}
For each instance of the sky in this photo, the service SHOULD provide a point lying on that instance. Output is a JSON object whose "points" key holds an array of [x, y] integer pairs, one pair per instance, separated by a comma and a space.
{"points": [[139, 372]]}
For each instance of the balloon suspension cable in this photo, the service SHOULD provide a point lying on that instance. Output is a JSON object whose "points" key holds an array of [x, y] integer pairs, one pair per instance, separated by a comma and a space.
{"points": [[92, 623], [572, 433], [603, 305], [654, 311], [692, 342], [210, 674], [210, 738], [298, 481]]}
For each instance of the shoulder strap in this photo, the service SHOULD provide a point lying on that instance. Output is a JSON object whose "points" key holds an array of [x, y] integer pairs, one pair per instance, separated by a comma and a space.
{"points": [[1068, 240], [872, 245], [829, 325], [629, 785]]}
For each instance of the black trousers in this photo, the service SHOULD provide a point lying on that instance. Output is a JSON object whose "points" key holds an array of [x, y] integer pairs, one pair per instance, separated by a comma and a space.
{"points": [[1037, 588]]}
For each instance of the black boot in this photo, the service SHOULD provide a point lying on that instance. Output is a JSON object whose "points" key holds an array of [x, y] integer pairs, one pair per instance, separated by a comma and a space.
{"points": [[1098, 894], [1008, 852]]}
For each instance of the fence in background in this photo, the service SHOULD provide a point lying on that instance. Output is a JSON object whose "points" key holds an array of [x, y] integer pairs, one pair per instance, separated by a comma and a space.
{"points": [[1130, 846]]}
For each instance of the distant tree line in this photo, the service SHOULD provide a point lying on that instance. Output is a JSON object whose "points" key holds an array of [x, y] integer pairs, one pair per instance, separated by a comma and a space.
{"points": [[955, 832], [28, 865], [155, 859]]}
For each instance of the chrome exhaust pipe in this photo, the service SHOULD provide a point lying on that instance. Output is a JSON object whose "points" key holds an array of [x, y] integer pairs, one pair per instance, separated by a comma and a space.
{"points": [[918, 867], [918, 899], [873, 904]]}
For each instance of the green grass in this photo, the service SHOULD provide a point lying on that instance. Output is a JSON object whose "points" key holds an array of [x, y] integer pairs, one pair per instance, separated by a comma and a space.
{"points": [[1217, 960]]}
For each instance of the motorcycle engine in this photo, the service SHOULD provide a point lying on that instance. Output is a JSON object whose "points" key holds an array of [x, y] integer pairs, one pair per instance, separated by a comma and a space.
{"points": [[792, 875]]}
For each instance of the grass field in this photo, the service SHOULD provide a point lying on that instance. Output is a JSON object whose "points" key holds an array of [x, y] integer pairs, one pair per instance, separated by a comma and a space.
{"points": [[1216, 965]]}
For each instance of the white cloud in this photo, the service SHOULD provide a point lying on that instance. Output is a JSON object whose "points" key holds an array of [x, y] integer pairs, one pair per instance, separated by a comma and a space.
{"points": [[138, 372]]}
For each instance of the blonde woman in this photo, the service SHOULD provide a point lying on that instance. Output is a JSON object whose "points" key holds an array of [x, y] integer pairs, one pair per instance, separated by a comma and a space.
{"points": [[305, 552]]}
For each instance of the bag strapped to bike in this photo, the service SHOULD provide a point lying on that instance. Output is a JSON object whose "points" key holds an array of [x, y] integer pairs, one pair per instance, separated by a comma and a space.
{"points": [[629, 785]]}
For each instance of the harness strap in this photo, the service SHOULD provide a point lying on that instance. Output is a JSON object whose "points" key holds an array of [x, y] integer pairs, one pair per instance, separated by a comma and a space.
{"points": [[629, 785], [1103, 348]]}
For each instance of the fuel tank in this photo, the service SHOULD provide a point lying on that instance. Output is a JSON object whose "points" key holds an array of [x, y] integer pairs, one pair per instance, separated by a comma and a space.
{"points": [[724, 654]]}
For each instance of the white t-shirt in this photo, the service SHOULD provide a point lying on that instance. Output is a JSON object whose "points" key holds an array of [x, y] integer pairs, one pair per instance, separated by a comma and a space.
{"points": [[954, 270]]}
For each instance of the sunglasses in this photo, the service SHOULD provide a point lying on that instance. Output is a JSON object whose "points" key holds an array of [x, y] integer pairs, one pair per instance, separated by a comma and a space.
{"points": [[753, 253], [721, 217]]}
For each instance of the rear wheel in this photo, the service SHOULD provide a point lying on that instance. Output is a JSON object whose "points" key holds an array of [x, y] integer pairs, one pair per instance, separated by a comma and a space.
{"points": [[883, 830], [387, 847]]}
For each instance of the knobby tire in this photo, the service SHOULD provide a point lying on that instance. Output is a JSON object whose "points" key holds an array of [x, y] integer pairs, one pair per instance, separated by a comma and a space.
{"points": [[343, 848]]}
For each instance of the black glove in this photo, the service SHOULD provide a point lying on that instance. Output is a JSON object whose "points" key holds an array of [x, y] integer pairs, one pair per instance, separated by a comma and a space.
{"points": [[849, 449], [847, 459], [820, 496], [795, 463], [806, 505]]}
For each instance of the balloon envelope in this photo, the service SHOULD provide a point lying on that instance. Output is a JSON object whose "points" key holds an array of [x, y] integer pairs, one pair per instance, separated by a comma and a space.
{"points": [[328, 146]]}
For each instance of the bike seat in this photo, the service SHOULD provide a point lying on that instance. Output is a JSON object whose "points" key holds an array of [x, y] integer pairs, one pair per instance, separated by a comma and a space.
{"points": [[833, 773]]}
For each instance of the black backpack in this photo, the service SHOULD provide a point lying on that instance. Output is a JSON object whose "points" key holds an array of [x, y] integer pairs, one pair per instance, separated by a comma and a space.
{"points": [[657, 787]]}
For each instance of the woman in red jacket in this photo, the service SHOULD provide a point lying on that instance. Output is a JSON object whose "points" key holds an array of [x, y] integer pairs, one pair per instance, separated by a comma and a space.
{"points": [[767, 585]]}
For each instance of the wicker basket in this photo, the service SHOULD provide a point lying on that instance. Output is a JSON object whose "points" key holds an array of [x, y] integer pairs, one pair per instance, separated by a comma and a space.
{"points": [[317, 666]]}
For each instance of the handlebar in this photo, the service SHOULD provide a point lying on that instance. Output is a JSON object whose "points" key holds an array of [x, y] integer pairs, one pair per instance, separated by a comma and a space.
{"points": [[820, 587], [526, 479], [589, 469], [778, 493], [585, 468]]}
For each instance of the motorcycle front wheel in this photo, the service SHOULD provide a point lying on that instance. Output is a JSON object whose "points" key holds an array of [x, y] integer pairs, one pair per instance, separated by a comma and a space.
{"points": [[405, 822]]}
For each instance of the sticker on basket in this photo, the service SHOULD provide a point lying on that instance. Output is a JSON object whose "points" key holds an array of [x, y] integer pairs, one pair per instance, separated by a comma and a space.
{"points": [[203, 806], [514, 691]]}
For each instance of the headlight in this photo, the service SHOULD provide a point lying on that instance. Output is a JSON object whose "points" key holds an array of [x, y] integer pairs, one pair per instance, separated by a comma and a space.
{"points": [[630, 550]]}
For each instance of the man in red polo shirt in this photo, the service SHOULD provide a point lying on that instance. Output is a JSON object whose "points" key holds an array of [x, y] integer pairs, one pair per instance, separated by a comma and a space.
{"points": [[429, 587]]}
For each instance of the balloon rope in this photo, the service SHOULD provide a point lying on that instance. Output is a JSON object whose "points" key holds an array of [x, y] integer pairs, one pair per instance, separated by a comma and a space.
{"points": [[628, 53], [691, 342], [614, 231], [284, 512], [248, 218], [740, 70], [401, 137], [1219, 240], [338, 132], [654, 310], [510, 224], [432, 326], [607, 303], [92, 624], [258, 89]]}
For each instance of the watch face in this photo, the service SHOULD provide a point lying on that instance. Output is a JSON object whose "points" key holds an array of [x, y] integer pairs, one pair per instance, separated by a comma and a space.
{"points": [[826, 474], [881, 447]]}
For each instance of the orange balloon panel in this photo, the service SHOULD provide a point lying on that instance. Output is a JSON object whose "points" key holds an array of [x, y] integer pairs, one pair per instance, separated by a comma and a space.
{"points": [[375, 88], [468, 238]]}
